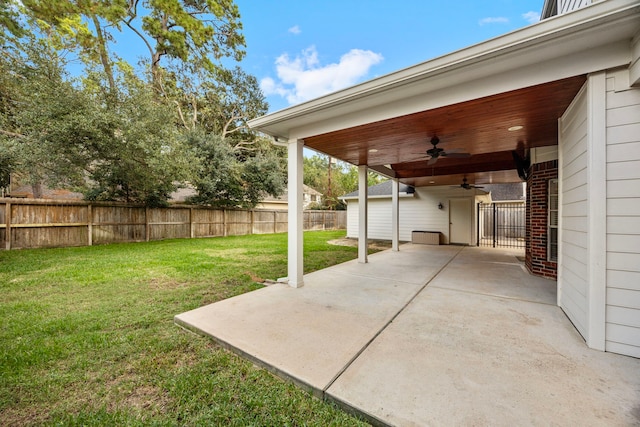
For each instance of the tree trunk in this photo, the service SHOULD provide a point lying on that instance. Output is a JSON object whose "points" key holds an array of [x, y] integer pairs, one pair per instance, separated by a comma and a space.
{"points": [[104, 57], [37, 190]]}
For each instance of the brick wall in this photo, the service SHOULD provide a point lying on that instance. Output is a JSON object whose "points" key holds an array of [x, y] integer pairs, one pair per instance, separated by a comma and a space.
{"points": [[536, 218]]}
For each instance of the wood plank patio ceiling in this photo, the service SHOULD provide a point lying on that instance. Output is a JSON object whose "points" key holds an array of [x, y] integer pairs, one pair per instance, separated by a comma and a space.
{"points": [[479, 127]]}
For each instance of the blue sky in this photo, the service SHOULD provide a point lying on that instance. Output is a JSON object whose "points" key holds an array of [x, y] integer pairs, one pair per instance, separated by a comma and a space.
{"points": [[302, 49], [299, 50]]}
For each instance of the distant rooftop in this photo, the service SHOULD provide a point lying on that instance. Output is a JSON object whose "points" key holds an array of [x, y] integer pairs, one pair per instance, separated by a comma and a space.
{"points": [[499, 192], [382, 189]]}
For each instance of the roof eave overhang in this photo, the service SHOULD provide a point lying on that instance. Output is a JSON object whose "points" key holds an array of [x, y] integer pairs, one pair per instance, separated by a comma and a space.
{"points": [[614, 20]]}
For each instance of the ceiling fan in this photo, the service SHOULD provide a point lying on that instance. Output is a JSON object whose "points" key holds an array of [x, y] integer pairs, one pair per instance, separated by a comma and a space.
{"points": [[436, 152], [466, 185]]}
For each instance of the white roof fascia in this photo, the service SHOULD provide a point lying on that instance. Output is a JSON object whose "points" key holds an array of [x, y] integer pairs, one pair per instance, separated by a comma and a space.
{"points": [[603, 22]]}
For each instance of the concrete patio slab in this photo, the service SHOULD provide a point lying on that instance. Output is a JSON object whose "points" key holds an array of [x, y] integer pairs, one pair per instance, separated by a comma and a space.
{"points": [[457, 358], [495, 272], [311, 334], [430, 335]]}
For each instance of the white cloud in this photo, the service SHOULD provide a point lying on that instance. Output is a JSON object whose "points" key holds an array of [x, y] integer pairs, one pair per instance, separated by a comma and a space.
{"points": [[494, 20], [295, 30], [303, 77], [531, 17]]}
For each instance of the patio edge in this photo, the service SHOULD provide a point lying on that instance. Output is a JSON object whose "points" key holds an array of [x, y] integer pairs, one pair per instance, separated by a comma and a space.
{"points": [[319, 393]]}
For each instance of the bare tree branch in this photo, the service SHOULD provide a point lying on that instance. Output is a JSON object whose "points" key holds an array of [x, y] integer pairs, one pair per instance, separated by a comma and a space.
{"points": [[225, 129], [194, 104], [135, 30], [242, 145], [184, 122]]}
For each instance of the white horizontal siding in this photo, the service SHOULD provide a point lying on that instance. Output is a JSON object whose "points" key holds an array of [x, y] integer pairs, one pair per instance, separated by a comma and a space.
{"points": [[623, 316], [622, 134], [565, 6], [623, 189], [623, 279], [623, 219], [573, 274], [419, 212]]}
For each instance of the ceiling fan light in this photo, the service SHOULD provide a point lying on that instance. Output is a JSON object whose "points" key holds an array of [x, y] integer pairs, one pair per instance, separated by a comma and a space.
{"points": [[515, 128]]}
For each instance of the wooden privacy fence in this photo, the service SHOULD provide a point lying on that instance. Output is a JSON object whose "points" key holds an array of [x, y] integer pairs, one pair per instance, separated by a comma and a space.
{"points": [[29, 223]]}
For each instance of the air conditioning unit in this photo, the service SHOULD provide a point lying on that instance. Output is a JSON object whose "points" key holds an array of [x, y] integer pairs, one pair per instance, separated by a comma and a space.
{"points": [[425, 237]]}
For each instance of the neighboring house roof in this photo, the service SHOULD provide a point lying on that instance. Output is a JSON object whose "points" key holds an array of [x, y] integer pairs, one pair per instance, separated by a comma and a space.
{"points": [[380, 190], [182, 194], [504, 192], [47, 193], [285, 196], [499, 192]]}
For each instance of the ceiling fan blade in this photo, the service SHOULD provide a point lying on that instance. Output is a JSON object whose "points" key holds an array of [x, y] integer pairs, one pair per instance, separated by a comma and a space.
{"points": [[432, 161]]}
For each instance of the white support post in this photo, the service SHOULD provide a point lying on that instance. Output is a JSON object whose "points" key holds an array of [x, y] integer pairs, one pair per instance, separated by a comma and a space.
{"points": [[634, 68], [395, 209], [597, 209], [363, 246], [295, 214]]}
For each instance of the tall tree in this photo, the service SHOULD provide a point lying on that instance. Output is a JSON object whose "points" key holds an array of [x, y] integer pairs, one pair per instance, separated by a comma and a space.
{"points": [[61, 134], [197, 33], [46, 123], [144, 160], [220, 102], [227, 178], [6, 167], [333, 180], [191, 115], [237, 168], [9, 20]]}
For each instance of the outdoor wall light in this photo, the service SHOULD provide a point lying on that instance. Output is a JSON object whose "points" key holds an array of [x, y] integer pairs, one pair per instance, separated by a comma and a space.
{"points": [[440, 206]]}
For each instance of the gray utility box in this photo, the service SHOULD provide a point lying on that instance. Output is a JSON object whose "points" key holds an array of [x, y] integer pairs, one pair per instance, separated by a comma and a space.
{"points": [[425, 237]]}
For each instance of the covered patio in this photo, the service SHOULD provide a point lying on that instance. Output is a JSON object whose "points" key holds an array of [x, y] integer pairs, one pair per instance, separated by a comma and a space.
{"points": [[451, 335], [430, 335], [555, 104]]}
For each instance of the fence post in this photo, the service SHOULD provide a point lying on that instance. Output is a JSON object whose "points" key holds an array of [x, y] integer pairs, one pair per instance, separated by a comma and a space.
{"points": [[147, 227], [275, 222], [495, 225], [89, 225], [191, 225], [224, 222], [478, 225], [252, 220], [7, 230]]}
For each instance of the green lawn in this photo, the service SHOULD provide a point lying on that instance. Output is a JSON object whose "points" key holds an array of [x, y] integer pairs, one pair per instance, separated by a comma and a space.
{"points": [[88, 338]]}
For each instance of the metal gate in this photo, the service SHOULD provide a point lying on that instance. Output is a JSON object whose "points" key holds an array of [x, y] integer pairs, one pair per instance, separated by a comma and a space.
{"points": [[501, 225]]}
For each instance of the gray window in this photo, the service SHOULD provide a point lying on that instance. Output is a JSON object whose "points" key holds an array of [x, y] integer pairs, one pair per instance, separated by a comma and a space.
{"points": [[552, 223]]}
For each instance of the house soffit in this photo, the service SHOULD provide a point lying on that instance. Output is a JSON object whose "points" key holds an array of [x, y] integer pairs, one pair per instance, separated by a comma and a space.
{"points": [[479, 127], [469, 99], [587, 40]]}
